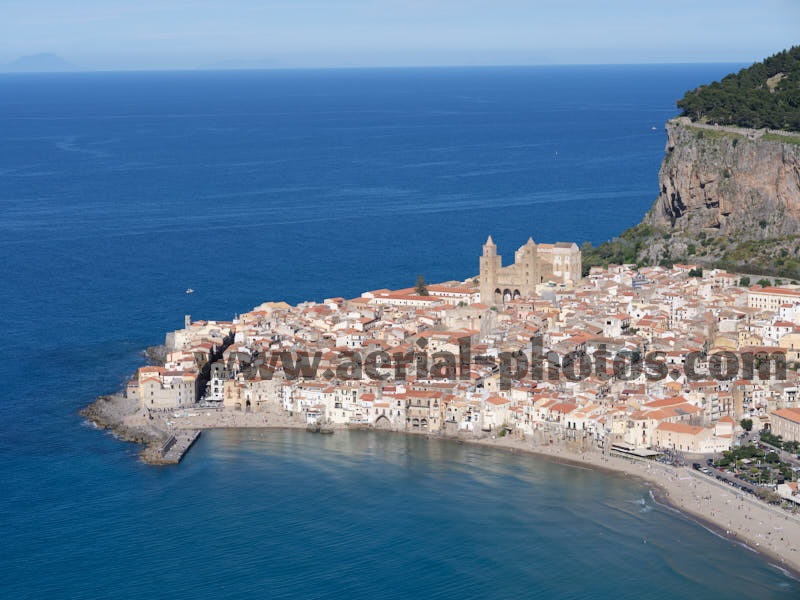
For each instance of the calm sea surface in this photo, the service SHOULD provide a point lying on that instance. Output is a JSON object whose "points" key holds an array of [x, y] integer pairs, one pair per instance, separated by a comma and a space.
{"points": [[119, 191]]}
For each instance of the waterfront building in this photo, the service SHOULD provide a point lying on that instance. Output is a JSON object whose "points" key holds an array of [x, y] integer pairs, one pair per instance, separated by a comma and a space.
{"points": [[786, 423]]}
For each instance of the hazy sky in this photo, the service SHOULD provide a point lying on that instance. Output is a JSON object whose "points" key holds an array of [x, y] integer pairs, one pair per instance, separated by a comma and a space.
{"points": [[153, 34]]}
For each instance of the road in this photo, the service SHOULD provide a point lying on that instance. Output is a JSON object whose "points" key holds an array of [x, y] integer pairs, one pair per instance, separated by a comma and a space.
{"points": [[728, 478]]}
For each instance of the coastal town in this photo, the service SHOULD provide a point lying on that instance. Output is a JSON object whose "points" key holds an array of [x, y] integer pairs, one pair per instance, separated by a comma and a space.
{"points": [[333, 365], [676, 313]]}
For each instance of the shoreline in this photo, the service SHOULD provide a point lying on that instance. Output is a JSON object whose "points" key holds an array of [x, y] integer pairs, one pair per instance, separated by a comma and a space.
{"points": [[717, 508], [660, 490]]}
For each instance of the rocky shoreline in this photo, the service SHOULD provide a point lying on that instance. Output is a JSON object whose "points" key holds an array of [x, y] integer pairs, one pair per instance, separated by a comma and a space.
{"points": [[156, 355], [117, 414], [110, 412]]}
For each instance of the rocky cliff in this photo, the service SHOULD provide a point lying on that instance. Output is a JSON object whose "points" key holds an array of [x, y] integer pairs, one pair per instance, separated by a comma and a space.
{"points": [[739, 183], [728, 197]]}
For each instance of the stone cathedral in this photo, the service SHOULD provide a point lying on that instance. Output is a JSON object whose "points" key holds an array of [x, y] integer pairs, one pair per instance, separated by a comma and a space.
{"points": [[534, 265]]}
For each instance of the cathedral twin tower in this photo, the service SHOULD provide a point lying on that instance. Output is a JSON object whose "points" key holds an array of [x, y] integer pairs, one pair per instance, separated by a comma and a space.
{"points": [[534, 265]]}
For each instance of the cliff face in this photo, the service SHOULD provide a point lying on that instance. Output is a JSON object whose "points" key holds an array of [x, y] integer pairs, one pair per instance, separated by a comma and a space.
{"points": [[737, 183], [728, 198]]}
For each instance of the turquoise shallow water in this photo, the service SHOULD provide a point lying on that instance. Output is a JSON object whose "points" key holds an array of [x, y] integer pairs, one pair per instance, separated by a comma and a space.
{"points": [[119, 191]]}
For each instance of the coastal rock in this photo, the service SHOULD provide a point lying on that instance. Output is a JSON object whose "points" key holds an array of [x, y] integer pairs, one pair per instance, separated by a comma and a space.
{"points": [[156, 355], [109, 412]]}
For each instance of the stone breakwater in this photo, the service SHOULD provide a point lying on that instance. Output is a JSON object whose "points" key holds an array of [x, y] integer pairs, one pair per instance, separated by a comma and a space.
{"points": [[172, 451]]}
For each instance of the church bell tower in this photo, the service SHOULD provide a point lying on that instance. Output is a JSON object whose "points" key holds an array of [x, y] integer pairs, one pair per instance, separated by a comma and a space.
{"points": [[489, 267]]}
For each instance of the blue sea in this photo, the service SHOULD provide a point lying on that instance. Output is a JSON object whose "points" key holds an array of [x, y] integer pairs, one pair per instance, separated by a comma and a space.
{"points": [[120, 190]]}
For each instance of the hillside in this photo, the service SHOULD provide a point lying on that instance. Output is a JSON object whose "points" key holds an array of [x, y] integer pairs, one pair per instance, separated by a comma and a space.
{"points": [[764, 95]]}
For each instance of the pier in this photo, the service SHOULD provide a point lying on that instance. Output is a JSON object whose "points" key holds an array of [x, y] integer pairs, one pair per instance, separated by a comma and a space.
{"points": [[176, 446]]}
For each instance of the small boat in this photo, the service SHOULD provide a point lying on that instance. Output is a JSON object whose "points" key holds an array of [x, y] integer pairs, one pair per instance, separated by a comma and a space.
{"points": [[653, 128], [189, 291]]}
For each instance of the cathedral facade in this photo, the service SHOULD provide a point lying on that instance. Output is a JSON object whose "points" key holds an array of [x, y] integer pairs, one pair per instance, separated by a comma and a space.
{"points": [[534, 265]]}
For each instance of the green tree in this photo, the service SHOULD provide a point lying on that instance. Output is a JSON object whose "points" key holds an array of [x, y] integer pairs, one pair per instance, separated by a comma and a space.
{"points": [[421, 288], [747, 424], [744, 281], [764, 283], [791, 446], [753, 97]]}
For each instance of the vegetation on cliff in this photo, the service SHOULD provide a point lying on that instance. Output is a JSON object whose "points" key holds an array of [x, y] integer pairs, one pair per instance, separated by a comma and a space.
{"points": [[766, 94], [644, 245], [625, 249]]}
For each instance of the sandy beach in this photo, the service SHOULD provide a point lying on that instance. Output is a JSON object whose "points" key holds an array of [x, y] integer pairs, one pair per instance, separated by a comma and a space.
{"points": [[723, 510]]}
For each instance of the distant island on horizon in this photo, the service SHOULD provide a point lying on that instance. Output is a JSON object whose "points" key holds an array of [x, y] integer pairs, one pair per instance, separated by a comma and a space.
{"points": [[45, 62]]}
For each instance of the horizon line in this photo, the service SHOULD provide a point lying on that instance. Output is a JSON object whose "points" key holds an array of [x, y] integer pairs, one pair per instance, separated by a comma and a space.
{"points": [[363, 67]]}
